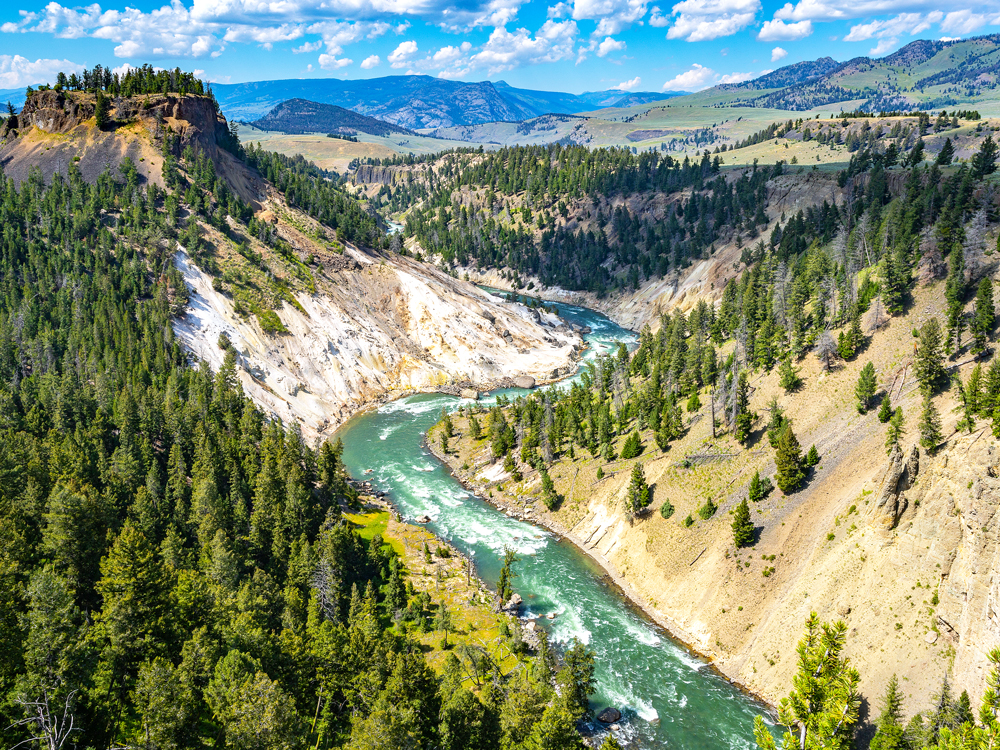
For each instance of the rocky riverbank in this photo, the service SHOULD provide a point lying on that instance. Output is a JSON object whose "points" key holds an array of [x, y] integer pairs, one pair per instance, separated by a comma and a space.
{"points": [[531, 510]]}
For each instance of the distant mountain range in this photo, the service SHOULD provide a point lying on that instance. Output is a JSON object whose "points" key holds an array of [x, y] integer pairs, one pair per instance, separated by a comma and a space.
{"points": [[301, 116], [420, 101], [924, 74]]}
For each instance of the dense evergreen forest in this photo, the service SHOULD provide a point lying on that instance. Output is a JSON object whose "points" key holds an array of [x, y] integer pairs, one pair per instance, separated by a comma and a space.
{"points": [[615, 250], [175, 571]]}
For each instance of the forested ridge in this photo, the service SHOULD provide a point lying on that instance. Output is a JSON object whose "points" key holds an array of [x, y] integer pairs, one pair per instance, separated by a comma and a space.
{"points": [[175, 571], [821, 284]]}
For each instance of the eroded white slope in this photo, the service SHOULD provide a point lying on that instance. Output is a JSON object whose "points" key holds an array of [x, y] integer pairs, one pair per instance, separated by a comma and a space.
{"points": [[389, 326]]}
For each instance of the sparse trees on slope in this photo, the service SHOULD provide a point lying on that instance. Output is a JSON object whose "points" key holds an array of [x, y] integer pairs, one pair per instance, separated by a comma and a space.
{"points": [[885, 410], [788, 460], [930, 424], [894, 432], [983, 316], [789, 376], [864, 391], [928, 366], [637, 497], [742, 526]]}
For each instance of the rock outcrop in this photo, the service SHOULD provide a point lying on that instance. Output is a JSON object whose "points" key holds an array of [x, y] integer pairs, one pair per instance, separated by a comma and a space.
{"points": [[897, 477]]}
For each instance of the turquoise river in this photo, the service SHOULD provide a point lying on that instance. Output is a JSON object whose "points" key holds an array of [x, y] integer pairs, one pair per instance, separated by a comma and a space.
{"points": [[670, 698]]}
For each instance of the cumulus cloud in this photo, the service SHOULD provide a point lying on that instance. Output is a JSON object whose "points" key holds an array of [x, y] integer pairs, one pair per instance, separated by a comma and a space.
{"points": [[965, 22], [608, 46], [629, 85], [884, 47], [372, 61], [330, 62], [834, 10], [17, 71], [739, 77], [904, 23], [778, 54], [703, 20], [612, 16], [657, 19], [777, 30], [505, 50], [207, 26], [401, 56], [697, 78]]}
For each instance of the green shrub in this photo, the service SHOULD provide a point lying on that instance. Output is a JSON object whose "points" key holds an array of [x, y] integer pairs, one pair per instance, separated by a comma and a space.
{"points": [[667, 510], [707, 510], [688, 522], [270, 322]]}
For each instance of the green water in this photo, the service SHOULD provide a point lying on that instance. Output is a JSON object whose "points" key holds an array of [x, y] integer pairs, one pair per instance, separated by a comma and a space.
{"points": [[669, 697]]}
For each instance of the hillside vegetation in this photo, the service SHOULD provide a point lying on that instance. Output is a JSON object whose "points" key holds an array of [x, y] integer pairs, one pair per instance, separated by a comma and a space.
{"points": [[826, 430], [301, 116], [176, 566]]}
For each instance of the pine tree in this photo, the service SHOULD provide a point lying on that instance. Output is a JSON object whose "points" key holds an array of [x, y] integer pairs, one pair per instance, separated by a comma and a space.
{"points": [[946, 154], [744, 417], [101, 108], [889, 727], [928, 366], [632, 446], [895, 430], [549, 496], [505, 589], [983, 316], [930, 424], [885, 410], [742, 526], [864, 391], [637, 496], [693, 403], [755, 492], [788, 459], [474, 428], [789, 376], [823, 705], [812, 457], [984, 162]]}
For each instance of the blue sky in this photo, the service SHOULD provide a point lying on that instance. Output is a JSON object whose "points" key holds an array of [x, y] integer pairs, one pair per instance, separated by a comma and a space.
{"points": [[567, 45]]}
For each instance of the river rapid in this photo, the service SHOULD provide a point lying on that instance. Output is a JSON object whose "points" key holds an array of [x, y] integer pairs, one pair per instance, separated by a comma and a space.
{"points": [[669, 697]]}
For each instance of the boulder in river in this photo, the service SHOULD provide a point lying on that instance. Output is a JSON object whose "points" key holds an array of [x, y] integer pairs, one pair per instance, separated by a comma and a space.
{"points": [[514, 603], [525, 381], [609, 715], [469, 393]]}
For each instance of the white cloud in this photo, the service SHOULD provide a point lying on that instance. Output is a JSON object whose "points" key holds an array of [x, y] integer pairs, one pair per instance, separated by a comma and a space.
{"points": [[559, 10], [884, 47], [372, 61], [703, 20], [330, 62], [308, 47], [777, 30], [964, 22], [695, 79], [608, 46], [612, 16], [778, 54], [657, 19], [834, 10], [904, 23], [506, 51], [629, 85], [739, 77], [400, 57], [207, 26], [17, 71]]}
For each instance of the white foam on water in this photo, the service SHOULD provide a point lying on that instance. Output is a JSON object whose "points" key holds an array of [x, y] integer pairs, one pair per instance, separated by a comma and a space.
{"points": [[684, 701], [645, 710], [688, 661]]}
